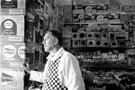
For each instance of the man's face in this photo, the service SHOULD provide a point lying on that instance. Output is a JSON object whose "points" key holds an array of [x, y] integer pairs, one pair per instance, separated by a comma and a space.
{"points": [[49, 42]]}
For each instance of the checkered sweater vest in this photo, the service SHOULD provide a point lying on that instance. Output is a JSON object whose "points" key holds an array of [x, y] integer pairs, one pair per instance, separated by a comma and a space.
{"points": [[53, 82]]}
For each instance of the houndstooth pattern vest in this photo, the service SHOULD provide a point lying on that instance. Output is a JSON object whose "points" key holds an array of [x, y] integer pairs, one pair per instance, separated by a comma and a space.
{"points": [[52, 81]]}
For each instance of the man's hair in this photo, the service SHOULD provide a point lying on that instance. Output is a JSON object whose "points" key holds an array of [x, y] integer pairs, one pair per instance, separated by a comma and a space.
{"points": [[58, 35]]}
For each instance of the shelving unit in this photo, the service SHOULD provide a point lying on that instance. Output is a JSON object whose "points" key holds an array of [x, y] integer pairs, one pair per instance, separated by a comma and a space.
{"points": [[41, 16], [99, 34]]}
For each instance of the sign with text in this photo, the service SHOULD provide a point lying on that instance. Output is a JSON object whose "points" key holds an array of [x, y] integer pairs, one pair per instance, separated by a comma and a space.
{"points": [[12, 7], [12, 55], [11, 79]]}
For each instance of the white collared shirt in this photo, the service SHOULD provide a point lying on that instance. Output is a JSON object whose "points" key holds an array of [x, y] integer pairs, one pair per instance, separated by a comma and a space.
{"points": [[68, 71]]}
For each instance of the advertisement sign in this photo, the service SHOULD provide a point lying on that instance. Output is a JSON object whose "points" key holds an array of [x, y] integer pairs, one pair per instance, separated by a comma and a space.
{"points": [[12, 55], [12, 28], [11, 79], [12, 25], [10, 89], [11, 38], [8, 3], [12, 6]]}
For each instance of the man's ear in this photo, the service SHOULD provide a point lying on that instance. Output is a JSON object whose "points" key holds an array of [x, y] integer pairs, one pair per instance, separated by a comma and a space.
{"points": [[56, 41]]}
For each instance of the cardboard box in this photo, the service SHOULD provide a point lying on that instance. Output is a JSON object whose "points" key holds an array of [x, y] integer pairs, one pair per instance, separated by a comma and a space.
{"points": [[66, 42], [105, 43], [67, 13], [98, 43], [82, 35], [11, 78], [114, 43], [76, 43], [90, 18], [78, 17], [112, 36], [12, 7], [101, 1], [102, 8], [66, 31], [104, 36], [111, 17], [90, 43], [121, 35], [12, 55], [114, 6], [83, 43], [126, 17], [76, 2], [75, 35], [97, 35], [90, 35], [90, 8], [78, 9], [128, 8]]}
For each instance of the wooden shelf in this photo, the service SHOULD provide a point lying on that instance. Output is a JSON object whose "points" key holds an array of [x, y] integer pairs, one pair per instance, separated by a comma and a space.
{"points": [[79, 49]]}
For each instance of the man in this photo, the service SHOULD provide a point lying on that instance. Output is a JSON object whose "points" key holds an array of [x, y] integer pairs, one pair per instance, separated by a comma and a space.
{"points": [[62, 70]]}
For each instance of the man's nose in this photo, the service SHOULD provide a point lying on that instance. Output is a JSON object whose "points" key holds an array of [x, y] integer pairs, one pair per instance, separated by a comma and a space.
{"points": [[43, 42]]}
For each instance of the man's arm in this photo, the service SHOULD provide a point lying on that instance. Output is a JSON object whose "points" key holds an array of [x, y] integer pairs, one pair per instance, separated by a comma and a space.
{"points": [[73, 74], [37, 76], [34, 75]]}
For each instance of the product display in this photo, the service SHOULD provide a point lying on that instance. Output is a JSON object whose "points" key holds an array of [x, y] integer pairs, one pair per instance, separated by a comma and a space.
{"points": [[90, 43], [98, 43], [78, 17], [128, 8], [66, 42], [82, 35], [104, 36], [121, 35], [75, 35], [75, 43], [83, 43], [90, 35], [97, 36], [103, 33], [90, 8], [90, 18], [78, 8], [105, 43]]}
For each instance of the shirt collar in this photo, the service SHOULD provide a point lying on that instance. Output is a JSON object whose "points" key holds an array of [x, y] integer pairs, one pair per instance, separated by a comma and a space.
{"points": [[57, 55]]}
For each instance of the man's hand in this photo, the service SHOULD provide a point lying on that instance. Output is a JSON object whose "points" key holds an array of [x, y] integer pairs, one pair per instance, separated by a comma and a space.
{"points": [[26, 67]]}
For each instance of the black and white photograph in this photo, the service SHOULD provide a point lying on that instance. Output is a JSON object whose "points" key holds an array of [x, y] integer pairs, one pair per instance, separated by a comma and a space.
{"points": [[67, 44]]}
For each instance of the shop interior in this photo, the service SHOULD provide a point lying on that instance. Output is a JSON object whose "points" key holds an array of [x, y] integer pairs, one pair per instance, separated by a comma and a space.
{"points": [[100, 33]]}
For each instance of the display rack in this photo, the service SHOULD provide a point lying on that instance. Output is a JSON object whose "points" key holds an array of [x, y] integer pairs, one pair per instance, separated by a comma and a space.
{"points": [[99, 34], [41, 16]]}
